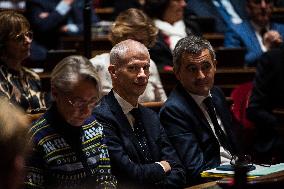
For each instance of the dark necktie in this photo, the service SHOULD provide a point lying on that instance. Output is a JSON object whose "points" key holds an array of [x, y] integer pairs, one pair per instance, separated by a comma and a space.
{"points": [[139, 132], [263, 31], [218, 130]]}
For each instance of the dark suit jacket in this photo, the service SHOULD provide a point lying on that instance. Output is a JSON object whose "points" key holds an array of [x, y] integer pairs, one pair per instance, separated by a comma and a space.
{"points": [[267, 94], [205, 8], [127, 164], [46, 31], [190, 133]]}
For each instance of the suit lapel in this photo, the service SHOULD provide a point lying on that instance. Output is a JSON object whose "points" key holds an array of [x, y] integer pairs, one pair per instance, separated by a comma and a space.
{"points": [[123, 124], [198, 112], [224, 117]]}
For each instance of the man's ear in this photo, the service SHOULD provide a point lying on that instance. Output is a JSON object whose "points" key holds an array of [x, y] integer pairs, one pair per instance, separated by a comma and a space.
{"points": [[215, 64], [112, 71], [54, 92], [176, 72]]}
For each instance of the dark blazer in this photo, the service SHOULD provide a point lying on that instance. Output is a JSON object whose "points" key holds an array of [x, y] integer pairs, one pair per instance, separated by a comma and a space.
{"points": [[243, 35], [50, 25], [267, 94], [205, 8], [190, 133], [127, 163]]}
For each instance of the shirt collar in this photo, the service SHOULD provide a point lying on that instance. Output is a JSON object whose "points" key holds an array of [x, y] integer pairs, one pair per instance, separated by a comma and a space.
{"points": [[198, 99], [125, 106], [258, 28]]}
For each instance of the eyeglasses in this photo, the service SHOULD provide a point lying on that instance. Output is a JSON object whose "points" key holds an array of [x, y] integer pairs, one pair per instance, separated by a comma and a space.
{"points": [[260, 1], [81, 104], [20, 38]]}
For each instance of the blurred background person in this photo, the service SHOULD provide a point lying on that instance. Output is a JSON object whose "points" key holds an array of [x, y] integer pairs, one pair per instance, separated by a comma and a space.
{"points": [[257, 34], [266, 96], [13, 4], [69, 149], [19, 84], [168, 17], [54, 18], [224, 12], [14, 145], [132, 24]]}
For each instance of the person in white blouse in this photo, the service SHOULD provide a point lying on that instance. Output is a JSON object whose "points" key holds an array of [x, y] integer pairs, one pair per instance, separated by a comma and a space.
{"points": [[132, 24], [168, 17]]}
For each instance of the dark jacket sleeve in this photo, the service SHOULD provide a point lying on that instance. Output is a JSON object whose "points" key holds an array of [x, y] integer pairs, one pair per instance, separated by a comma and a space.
{"points": [[178, 126], [261, 103], [176, 178], [54, 20]]}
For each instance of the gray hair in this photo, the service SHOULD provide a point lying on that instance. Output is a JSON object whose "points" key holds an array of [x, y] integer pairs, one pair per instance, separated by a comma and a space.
{"points": [[71, 70], [191, 44], [118, 52]]}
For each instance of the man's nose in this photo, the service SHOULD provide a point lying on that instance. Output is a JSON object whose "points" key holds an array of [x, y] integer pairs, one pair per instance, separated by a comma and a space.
{"points": [[200, 74], [142, 73], [263, 4]]}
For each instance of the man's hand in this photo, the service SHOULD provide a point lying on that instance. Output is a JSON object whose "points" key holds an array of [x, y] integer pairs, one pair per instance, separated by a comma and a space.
{"points": [[166, 166], [69, 2], [272, 39]]}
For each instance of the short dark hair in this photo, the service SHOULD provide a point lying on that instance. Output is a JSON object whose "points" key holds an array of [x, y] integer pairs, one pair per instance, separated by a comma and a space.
{"points": [[156, 8], [190, 44]]}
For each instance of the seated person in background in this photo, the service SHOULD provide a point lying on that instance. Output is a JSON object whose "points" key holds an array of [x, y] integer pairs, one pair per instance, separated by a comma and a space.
{"points": [[69, 149], [195, 116], [14, 145], [132, 24], [13, 4], [141, 155], [19, 84], [225, 12], [52, 19], [168, 17], [267, 95], [257, 34]]}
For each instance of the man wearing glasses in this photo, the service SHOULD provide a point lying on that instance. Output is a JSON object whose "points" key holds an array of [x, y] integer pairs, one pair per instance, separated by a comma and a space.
{"points": [[196, 116], [257, 34]]}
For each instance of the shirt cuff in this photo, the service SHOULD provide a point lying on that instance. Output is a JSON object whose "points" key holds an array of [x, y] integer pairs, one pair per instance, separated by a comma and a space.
{"points": [[162, 166], [62, 8], [72, 28]]}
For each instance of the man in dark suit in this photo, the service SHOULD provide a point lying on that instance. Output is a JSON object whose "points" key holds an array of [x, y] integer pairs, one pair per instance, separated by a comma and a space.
{"points": [[52, 19], [224, 17], [256, 33], [200, 131], [140, 153], [267, 95]]}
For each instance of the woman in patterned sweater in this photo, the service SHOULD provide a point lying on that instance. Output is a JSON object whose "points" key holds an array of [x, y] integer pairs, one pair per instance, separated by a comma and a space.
{"points": [[69, 149], [19, 84]]}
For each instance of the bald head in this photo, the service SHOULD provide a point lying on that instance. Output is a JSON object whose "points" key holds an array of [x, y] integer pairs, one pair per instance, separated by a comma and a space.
{"points": [[129, 69], [129, 47]]}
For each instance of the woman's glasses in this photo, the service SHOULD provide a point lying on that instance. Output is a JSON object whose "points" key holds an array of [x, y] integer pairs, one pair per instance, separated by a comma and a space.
{"points": [[20, 38]]}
